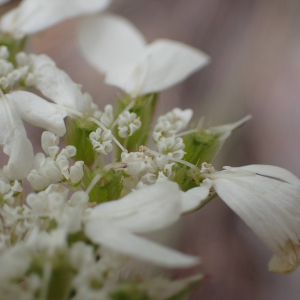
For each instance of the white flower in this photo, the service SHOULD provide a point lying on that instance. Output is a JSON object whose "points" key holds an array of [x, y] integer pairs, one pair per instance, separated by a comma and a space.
{"points": [[267, 198], [32, 16], [24, 105], [128, 124], [113, 224], [172, 122], [49, 143], [101, 140], [171, 146], [114, 46], [106, 117]]}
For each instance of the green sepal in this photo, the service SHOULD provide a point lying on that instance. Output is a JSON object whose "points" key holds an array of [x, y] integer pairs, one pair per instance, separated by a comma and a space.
{"points": [[62, 273], [108, 187], [13, 45], [186, 178], [179, 289], [2, 201], [201, 147], [130, 291], [78, 131], [144, 108]]}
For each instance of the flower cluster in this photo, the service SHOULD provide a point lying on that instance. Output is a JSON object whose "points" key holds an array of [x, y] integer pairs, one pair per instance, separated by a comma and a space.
{"points": [[82, 233]]}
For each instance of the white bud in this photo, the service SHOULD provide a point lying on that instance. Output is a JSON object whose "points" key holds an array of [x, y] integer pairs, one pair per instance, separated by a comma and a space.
{"points": [[76, 172], [4, 53], [102, 140], [128, 124], [49, 139]]}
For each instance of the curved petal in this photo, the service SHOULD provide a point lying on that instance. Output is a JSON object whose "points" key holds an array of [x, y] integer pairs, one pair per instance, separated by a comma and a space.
{"points": [[21, 159], [59, 87], [165, 63], [9, 120], [194, 197], [272, 171], [38, 112], [112, 44], [271, 208], [147, 209], [3, 1], [32, 16], [126, 243]]}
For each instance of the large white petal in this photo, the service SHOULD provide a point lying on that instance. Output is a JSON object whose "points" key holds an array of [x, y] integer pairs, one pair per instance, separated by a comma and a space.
{"points": [[126, 243], [147, 209], [32, 16], [59, 87], [3, 1], [271, 208], [39, 112], [165, 63], [194, 197], [112, 44], [21, 159], [9, 120], [272, 171]]}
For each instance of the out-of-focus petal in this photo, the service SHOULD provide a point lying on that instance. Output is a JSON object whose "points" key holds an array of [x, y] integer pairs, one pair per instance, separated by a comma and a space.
{"points": [[112, 44], [9, 120], [109, 42], [126, 243], [194, 197], [38, 112], [21, 159], [147, 209], [272, 171], [3, 1], [59, 87], [32, 16], [165, 63], [271, 208]]}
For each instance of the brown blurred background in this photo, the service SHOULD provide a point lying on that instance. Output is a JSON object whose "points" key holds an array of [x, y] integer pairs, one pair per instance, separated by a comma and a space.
{"points": [[255, 68]]}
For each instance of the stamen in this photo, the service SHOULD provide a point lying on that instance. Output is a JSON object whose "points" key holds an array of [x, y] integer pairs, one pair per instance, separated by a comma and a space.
{"points": [[104, 128], [145, 149], [93, 183], [129, 106]]}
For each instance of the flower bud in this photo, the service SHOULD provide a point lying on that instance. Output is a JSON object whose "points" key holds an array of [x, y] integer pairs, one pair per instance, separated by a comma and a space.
{"points": [[143, 108]]}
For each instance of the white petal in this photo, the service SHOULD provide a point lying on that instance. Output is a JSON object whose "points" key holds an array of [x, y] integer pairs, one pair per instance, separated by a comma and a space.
{"points": [[279, 265], [165, 63], [147, 209], [32, 16], [272, 171], [39, 112], [9, 120], [21, 159], [126, 243], [271, 208], [194, 197], [3, 1], [59, 87], [112, 44]]}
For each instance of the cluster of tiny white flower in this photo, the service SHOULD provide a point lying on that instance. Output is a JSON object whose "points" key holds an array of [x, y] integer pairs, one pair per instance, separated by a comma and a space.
{"points": [[76, 235]]}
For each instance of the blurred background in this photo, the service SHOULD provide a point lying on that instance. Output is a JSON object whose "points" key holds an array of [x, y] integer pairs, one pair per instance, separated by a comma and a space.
{"points": [[255, 68]]}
